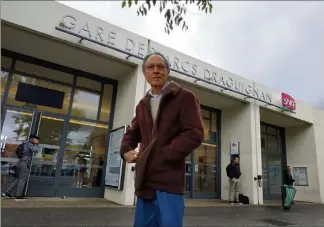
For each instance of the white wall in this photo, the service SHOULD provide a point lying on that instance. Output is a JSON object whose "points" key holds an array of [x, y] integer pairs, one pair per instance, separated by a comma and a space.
{"points": [[319, 140], [44, 16], [130, 91], [242, 123], [301, 152]]}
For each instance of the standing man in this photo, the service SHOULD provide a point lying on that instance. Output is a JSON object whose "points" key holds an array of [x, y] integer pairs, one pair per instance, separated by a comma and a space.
{"points": [[234, 173], [25, 152], [168, 124], [288, 179]]}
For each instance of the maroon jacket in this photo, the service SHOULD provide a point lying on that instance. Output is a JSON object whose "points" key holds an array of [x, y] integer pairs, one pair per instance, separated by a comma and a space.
{"points": [[164, 146]]}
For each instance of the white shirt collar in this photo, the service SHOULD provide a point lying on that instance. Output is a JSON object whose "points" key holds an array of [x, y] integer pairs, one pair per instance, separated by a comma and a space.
{"points": [[159, 93]]}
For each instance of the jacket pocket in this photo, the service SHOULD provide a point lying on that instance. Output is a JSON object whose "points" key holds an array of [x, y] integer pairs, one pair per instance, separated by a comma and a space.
{"points": [[157, 162], [171, 156]]}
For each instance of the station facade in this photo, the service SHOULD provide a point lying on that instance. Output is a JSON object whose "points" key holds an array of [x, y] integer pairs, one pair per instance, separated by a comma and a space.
{"points": [[75, 79]]}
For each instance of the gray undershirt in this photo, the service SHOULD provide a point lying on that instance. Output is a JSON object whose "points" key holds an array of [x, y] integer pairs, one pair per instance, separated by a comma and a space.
{"points": [[155, 102]]}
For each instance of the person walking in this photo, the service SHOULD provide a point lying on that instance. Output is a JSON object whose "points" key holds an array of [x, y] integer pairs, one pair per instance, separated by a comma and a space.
{"points": [[169, 126], [288, 179], [234, 174], [26, 152]]}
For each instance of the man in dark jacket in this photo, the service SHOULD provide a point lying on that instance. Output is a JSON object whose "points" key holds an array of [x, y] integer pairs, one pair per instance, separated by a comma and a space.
{"points": [[28, 149], [288, 179], [168, 124], [234, 173]]}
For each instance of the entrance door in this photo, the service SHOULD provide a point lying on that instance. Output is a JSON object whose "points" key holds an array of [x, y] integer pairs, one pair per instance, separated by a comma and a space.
{"points": [[203, 176], [272, 162], [43, 174], [18, 125], [205, 172]]}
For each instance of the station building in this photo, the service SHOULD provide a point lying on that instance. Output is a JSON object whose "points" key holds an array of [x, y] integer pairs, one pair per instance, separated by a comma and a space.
{"points": [[75, 80]]}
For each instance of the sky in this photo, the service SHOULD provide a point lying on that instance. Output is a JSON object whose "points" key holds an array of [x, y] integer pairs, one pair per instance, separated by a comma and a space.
{"points": [[277, 44]]}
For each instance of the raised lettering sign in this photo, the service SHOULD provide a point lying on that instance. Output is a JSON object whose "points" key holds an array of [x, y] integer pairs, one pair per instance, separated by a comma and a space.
{"points": [[108, 37]]}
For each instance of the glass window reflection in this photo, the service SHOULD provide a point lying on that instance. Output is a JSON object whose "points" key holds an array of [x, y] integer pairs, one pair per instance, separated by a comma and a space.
{"points": [[106, 102], [205, 170], [41, 83], [85, 104], [84, 155], [87, 83], [6, 62], [4, 79], [15, 130], [43, 72]]}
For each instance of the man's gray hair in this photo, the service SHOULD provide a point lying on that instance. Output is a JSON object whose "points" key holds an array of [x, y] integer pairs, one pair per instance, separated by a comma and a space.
{"points": [[166, 62]]}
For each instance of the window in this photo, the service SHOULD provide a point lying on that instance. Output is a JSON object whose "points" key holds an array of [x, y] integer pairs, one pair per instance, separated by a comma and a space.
{"points": [[87, 83], [271, 130], [84, 154], [205, 113], [210, 125], [263, 128], [4, 79], [16, 79], [5, 62], [85, 104], [214, 122], [106, 102], [44, 72]]}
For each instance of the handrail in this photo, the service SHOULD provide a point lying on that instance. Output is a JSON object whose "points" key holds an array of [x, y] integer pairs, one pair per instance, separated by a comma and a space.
{"points": [[174, 70]]}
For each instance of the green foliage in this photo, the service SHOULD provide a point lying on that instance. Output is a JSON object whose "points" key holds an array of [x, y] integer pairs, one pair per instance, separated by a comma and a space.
{"points": [[174, 14]]}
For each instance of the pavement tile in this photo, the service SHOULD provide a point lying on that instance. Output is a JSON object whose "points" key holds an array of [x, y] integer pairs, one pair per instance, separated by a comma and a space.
{"points": [[299, 215]]}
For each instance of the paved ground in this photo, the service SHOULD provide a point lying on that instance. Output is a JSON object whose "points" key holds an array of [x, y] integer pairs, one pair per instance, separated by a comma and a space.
{"points": [[299, 215]]}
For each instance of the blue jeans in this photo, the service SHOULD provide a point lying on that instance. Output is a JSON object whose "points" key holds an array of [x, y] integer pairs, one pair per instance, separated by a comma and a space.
{"points": [[166, 210]]}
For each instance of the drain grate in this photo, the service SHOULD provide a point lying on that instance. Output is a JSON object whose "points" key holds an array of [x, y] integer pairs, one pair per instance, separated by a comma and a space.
{"points": [[276, 222]]}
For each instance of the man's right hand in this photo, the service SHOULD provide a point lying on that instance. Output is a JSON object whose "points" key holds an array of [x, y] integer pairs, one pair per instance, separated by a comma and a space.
{"points": [[130, 156]]}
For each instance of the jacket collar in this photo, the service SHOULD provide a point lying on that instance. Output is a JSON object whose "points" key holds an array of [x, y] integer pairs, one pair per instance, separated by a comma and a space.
{"points": [[170, 88]]}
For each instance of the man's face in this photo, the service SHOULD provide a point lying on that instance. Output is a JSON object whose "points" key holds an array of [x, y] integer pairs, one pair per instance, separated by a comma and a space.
{"points": [[155, 71], [289, 169], [35, 141], [236, 160]]}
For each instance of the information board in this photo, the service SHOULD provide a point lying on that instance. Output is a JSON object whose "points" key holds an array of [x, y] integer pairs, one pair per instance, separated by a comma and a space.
{"points": [[300, 176], [235, 148], [115, 164]]}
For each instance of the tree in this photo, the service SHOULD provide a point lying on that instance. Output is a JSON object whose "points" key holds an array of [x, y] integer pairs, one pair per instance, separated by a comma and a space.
{"points": [[173, 13]]}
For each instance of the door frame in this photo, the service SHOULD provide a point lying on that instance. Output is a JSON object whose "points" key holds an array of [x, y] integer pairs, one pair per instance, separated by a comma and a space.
{"points": [[56, 190], [209, 195], [282, 136], [34, 127], [15, 56]]}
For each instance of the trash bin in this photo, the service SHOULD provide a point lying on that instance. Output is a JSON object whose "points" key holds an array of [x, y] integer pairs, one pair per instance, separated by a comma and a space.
{"points": [[288, 195]]}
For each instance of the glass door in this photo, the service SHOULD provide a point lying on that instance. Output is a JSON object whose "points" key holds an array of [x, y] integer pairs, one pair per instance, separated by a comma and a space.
{"points": [[16, 128], [189, 177], [203, 177], [205, 172], [271, 146], [45, 162]]}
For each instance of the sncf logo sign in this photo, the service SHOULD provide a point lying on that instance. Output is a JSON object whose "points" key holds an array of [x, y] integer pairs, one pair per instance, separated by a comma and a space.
{"points": [[288, 101]]}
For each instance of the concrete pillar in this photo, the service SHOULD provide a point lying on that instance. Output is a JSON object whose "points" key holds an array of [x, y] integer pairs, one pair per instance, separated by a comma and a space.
{"points": [[242, 123], [130, 92]]}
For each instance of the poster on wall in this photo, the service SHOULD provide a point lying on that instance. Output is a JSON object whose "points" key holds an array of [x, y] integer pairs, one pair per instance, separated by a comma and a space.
{"points": [[235, 148], [300, 176], [115, 164]]}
